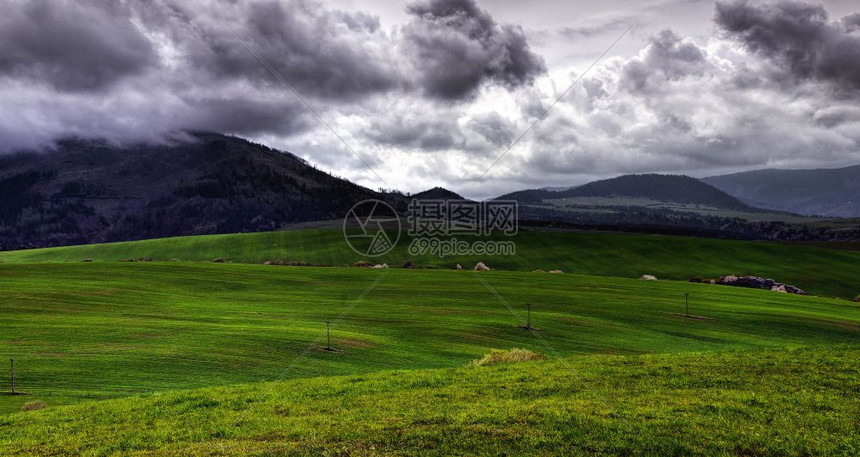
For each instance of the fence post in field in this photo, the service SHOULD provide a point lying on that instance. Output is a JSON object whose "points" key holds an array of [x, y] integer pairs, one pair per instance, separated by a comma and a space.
{"points": [[328, 335], [686, 304], [12, 374], [528, 315]]}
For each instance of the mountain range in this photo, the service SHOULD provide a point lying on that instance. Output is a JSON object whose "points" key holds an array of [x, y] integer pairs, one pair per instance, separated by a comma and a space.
{"points": [[85, 191], [90, 191], [660, 188], [820, 192]]}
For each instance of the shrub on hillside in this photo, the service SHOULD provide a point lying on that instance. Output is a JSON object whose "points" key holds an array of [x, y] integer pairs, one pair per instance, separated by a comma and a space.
{"points": [[513, 355], [363, 264], [219, 260], [408, 264], [857, 299]]}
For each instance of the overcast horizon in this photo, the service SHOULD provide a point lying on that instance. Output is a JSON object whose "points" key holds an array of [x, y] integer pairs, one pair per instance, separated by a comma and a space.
{"points": [[431, 93]]}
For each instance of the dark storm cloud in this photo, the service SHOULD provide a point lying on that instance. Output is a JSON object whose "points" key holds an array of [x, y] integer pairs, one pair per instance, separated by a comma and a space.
{"points": [[247, 116], [71, 46], [682, 106], [140, 69], [110, 69], [851, 22], [666, 58], [798, 37], [428, 132], [458, 47], [494, 128], [593, 29], [181, 67], [427, 127], [325, 53]]}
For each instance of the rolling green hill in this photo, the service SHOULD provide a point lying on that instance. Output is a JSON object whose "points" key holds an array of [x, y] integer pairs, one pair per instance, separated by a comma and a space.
{"points": [[178, 357], [762, 403], [102, 330], [820, 271]]}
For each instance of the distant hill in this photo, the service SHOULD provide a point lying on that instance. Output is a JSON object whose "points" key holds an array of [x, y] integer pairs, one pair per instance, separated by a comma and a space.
{"points": [[558, 188], [89, 191], [529, 195], [821, 192], [438, 193], [664, 188]]}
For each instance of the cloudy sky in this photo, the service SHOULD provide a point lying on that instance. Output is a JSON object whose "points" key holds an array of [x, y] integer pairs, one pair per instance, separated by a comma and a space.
{"points": [[432, 92]]}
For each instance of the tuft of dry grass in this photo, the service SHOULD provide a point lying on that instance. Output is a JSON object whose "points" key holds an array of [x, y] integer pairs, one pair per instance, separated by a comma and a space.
{"points": [[33, 405], [512, 355]]}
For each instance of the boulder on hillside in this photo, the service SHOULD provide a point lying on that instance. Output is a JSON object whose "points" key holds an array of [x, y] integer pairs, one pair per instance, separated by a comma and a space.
{"points": [[480, 266], [757, 282]]}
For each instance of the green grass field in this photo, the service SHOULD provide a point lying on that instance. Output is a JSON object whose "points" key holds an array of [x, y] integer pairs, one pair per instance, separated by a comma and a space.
{"points": [[165, 357], [826, 272], [758, 403], [104, 330]]}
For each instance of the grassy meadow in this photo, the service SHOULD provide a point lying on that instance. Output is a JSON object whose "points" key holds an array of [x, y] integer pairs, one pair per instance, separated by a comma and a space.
{"points": [[178, 357], [826, 272], [773, 402], [100, 330]]}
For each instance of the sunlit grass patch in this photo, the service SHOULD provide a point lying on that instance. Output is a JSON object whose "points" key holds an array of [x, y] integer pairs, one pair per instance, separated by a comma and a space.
{"points": [[512, 355]]}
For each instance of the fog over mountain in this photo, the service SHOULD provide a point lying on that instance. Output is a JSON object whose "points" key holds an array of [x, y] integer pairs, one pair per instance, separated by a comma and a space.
{"points": [[89, 191]]}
